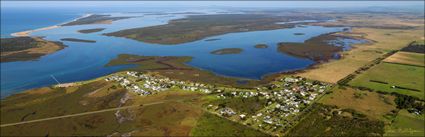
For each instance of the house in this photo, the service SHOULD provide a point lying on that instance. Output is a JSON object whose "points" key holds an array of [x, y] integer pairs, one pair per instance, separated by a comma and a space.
{"points": [[242, 116], [227, 112]]}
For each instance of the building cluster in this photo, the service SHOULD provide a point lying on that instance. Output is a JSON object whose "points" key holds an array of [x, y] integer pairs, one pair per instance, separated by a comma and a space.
{"points": [[147, 84], [131, 84], [284, 99]]}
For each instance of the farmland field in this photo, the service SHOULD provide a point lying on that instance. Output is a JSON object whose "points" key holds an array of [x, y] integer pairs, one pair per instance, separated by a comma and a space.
{"points": [[408, 58], [404, 76], [407, 124], [372, 104], [386, 40]]}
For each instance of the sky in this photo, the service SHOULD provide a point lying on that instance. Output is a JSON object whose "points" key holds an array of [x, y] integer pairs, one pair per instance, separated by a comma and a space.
{"points": [[322, 4]]}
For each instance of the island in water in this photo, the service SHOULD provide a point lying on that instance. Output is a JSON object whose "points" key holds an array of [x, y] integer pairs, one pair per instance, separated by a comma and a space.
{"points": [[78, 40], [91, 30], [211, 39], [261, 46], [227, 51]]}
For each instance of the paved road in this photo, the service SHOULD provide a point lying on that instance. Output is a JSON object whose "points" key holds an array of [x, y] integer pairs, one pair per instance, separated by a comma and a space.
{"points": [[79, 114]]}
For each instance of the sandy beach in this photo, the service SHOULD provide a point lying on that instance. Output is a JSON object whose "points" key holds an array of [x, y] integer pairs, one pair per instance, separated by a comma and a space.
{"points": [[65, 85], [28, 32]]}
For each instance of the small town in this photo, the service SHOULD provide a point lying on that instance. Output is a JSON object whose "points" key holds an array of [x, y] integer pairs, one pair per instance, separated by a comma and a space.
{"points": [[148, 84], [352, 68], [285, 97]]}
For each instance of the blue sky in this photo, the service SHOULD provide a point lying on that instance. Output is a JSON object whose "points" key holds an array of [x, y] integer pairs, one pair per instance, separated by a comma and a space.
{"points": [[322, 4]]}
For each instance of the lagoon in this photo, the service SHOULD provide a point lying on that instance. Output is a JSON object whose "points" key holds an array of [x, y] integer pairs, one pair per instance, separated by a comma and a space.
{"points": [[83, 61]]}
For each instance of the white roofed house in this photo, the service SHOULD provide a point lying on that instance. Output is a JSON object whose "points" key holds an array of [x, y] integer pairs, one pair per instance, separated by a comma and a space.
{"points": [[242, 116], [132, 73], [227, 112], [125, 82], [268, 120], [288, 79]]}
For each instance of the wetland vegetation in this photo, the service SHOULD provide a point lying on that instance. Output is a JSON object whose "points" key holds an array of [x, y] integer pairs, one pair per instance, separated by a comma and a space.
{"points": [[317, 48], [173, 67]]}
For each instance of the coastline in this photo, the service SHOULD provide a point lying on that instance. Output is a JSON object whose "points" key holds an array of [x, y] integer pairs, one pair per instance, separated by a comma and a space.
{"points": [[28, 32], [263, 78]]}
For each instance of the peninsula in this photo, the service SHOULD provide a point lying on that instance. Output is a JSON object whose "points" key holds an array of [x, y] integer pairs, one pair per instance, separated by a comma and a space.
{"points": [[197, 27], [28, 32], [27, 48], [94, 19], [317, 48]]}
